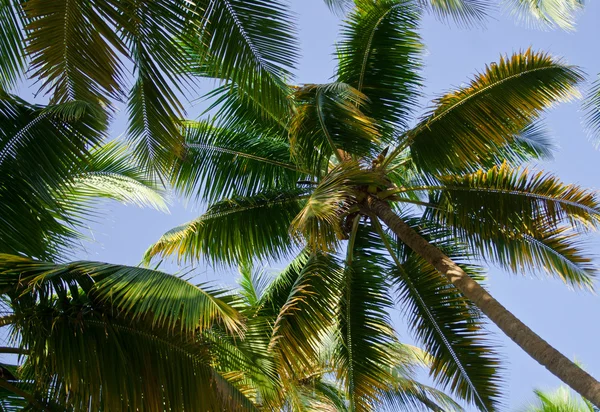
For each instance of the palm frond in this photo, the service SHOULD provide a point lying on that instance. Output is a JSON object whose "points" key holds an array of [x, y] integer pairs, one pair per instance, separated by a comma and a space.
{"points": [[236, 230], [328, 121], [306, 312], [40, 148], [222, 162], [12, 44], [463, 12], [591, 107], [132, 293], [547, 13], [448, 325], [110, 172], [73, 50], [362, 357], [470, 124], [520, 220], [379, 56], [339, 6], [252, 44]]}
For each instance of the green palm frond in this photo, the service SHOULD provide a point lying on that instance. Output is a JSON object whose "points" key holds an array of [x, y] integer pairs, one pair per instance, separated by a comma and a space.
{"points": [[463, 12], [252, 44], [329, 121], [132, 293], [448, 325], [362, 357], [591, 107], [306, 313], [12, 44], [236, 162], [548, 13], [468, 126], [339, 6], [234, 108], [74, 50], [560, 400], [520, 220], [379, 56], [504, 195], [40, 148], [236, 230]]}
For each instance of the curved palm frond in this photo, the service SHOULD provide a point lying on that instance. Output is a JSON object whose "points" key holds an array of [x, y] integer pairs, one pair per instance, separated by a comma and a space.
{"points": [[463, 12], [132, 293], [362, 357], [379, 56], [328, 121], [236, 230], [559, 400], [305, 311], [40, 148], [12, 44], [547, 13], [591, 107], [221, 162], [109, 172], [73, 50], [252, 44], [449, 326], [472, 123]]}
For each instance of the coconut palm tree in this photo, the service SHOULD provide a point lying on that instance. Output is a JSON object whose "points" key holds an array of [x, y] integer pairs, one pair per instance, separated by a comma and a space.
{"points": [[343, 172]]}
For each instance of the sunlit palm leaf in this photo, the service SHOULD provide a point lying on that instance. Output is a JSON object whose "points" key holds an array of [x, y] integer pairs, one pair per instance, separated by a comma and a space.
{"points": [[471, 123], [306, 312], [321, 221], [132, 293], [548, 13], [236, 230], [236, 162], [379, 56]]}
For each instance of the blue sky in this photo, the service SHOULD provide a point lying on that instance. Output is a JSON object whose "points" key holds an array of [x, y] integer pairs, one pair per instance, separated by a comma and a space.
{"points": [[567, 319]]}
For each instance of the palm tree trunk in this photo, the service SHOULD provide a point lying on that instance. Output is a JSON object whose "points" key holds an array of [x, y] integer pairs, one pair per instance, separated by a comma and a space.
{"points": [[528, 340]]}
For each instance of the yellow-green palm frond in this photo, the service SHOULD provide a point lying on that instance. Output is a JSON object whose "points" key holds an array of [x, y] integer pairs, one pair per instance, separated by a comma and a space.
{"points": [[321, 221], [236, 230], [379, 56], [223, 162], [305, 312], [469, 126], [328, 121], [559, 400], [133, 293]]}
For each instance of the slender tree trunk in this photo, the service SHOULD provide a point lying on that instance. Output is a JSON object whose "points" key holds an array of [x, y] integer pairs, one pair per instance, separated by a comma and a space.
{"points": [[529, 341]]}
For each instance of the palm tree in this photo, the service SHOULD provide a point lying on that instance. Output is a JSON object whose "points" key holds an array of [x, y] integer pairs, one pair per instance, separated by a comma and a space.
{"points": [[344, 160]]}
